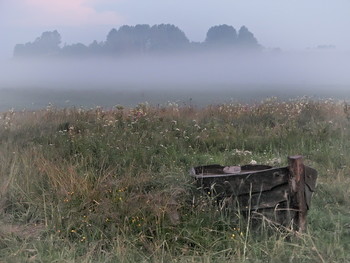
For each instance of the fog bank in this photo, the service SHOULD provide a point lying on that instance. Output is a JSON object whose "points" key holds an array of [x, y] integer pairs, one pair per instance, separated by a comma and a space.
{"points": [[300, 68], [267, 73]]}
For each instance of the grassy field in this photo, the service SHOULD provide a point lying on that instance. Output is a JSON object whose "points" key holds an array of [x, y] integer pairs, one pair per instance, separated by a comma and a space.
{"points": [[79, 185]]}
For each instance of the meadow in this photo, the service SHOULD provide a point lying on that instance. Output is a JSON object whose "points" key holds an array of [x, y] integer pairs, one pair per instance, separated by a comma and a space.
{"points": [[97, 185]]}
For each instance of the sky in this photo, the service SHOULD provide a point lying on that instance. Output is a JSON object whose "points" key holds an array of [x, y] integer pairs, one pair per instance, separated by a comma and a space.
{"points": [[287, 24]]}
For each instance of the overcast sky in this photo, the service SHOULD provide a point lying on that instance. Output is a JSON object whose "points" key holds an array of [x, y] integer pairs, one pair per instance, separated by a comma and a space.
{"points": [[288, 24]]}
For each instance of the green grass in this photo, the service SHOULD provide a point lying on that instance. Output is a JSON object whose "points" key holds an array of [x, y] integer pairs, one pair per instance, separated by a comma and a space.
{"points": [[113, 186]]}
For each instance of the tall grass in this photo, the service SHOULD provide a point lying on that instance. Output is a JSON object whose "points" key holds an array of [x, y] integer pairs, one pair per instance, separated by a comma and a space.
{"points": [[95, 185]]}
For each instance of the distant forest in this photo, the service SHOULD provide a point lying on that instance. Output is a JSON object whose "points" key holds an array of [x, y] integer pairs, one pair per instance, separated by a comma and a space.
{"points": [[139, 40]]}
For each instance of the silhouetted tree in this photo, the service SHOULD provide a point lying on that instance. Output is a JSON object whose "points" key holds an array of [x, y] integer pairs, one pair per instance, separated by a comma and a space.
{"points": [[167, 37], [45, 45], [96, 48], [139, 39], [246, 39], [143, 38], [75, 50], [128, 39], [111, 41], [221, 35]]}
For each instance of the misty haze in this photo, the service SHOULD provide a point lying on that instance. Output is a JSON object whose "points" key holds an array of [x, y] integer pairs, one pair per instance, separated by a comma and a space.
{"points": [[132, 67]]}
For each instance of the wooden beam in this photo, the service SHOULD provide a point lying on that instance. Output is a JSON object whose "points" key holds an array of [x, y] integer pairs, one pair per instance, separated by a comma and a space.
{"points": [[297, 191]]}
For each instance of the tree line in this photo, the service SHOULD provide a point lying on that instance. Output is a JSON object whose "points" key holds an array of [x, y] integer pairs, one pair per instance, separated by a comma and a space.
{"points": [[140, 39]]}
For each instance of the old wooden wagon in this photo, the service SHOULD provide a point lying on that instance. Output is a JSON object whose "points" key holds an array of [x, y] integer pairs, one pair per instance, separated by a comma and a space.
{"points": [[279, 194]]}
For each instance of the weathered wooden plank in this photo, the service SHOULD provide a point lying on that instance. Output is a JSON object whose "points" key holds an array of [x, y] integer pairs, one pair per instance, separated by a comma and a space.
{"points": [[280, 214], [310, 184], [308, 195], [246, 182], [216, 169], [297, 190], [310, 178], [267, 199]]}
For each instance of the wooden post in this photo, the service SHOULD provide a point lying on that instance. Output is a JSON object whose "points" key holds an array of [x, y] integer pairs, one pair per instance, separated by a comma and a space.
{"points": [[297, 191]]}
